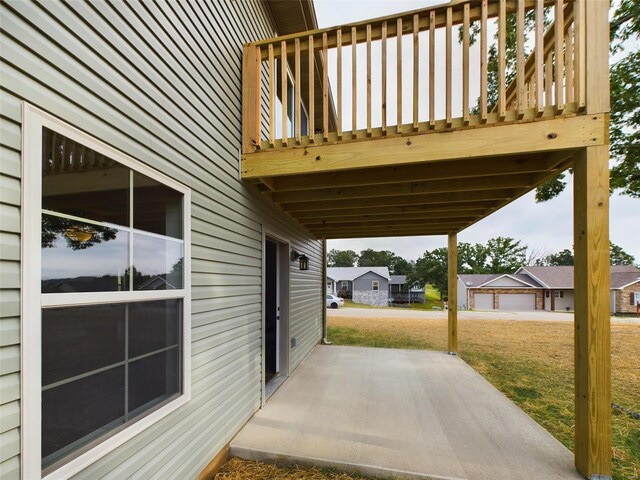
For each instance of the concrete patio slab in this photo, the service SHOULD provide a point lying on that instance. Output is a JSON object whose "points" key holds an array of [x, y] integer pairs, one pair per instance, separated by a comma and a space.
{"points": [[402, 414]]}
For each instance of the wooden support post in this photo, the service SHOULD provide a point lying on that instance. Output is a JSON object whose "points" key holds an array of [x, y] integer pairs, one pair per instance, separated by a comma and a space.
{"points": [[453, 293], [592, 325], [592, 263], [311, 104], [251, 61]]}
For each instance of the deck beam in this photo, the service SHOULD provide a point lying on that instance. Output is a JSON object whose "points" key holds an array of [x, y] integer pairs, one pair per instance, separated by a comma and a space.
{"points": [[513, 139]]}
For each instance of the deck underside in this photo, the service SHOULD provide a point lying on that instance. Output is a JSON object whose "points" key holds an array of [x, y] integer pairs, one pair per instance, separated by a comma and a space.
{"points": [[422, 183]]}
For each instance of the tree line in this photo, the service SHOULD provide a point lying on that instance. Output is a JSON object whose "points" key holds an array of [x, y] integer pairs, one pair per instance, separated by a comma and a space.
{"points": [[498, 255]]}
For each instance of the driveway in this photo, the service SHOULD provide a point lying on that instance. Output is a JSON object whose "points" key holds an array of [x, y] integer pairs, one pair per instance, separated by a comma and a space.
{"points": [[398, 312]]}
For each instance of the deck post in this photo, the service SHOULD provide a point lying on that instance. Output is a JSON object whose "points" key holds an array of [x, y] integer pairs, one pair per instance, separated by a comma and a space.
{"points": [[592, 263], [251, 62], [592, 324], [453, 294]]}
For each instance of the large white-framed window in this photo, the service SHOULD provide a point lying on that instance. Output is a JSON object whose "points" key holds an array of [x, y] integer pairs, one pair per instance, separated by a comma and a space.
{"points": [[105, 297], [375, 285]]}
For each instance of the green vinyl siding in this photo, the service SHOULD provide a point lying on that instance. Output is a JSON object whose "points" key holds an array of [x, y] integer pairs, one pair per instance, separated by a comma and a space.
{"points": [[161, 82]]}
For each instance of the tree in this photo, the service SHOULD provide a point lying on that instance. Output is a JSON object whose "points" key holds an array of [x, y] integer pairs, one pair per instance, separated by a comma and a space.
{"points": [[625, 96], [341, 258], [400, 266], [472, 258], [564, 257], [506, 254], [431, 268], [619, 256], [376, 258]]}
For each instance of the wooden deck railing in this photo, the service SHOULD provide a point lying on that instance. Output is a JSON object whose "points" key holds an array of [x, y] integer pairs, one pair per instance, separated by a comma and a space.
{"points": [[278, 114]]}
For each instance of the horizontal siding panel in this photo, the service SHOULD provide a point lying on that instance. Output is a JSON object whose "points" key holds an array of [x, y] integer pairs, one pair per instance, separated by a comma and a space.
{"points": [[9, 388], [250, 325], [213, 323], [9, 246], [214, 304], [10, 106], [10, 190], [9, 444], [214, 291], [9, 218], [9, 416], [10, 469], [10, 161], [9, 331], [233, 351], [9, 359], [9, 274], [9, 303], [10, 133], [209, 241]]}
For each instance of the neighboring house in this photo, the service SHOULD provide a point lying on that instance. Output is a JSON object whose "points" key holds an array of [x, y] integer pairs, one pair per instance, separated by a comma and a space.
{"points": [[558, 284], [499, 292], [120, 139], [368, 285], [542, 288], [403, 293]]}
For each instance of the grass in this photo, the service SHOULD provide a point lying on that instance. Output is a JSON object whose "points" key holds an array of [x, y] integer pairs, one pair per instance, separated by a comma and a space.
{"points": [[237, 469], [530, 362]]}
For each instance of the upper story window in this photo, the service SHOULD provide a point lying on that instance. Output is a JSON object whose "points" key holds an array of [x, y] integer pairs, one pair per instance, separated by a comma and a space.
{"points": [[113, 297]]}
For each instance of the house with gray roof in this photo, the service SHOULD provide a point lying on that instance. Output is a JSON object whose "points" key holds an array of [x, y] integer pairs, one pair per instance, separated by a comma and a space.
{"points": [[401, 292], [368, 285], [548, 288]]}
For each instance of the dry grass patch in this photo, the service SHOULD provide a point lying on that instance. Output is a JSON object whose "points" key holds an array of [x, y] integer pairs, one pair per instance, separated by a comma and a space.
{"points": [[237, 469], [529, 361]]}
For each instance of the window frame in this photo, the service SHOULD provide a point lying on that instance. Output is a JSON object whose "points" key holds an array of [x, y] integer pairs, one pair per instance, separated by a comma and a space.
{"points": [[375, 285], [33, 300]]}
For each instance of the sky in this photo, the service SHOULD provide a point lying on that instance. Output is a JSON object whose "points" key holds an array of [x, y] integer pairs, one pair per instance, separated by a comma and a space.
{"points": [[545, 228]]}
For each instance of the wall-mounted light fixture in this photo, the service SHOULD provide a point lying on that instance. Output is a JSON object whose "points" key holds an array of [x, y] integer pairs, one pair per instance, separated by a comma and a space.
{"points": [[301, 258]]}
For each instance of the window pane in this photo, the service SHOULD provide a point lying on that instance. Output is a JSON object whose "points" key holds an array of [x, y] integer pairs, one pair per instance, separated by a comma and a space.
{"points": [[79, 257], [152, 380], [157, 263], [79, 181], [153, 326], [156, 208], [77, 340], [75, 413]]}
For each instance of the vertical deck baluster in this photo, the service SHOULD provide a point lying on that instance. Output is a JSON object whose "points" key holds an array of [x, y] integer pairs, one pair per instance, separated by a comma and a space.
{"points": [[311, 104], [368, 80], [559, 78], [448, 52], [416, 68], [399, 74], [354, 83], [483, 61], [548, 79], [539, 55], [568, 40], [579, 54], [297, 86], [502, 66], [520, 93], [283, 92], [432, 69], [339, 79], [272, 98], [384, 78], [325, 89], [465, 64]]}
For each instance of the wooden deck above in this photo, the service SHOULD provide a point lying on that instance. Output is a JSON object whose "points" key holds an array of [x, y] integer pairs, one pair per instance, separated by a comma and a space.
{"points": [[451, 165]]}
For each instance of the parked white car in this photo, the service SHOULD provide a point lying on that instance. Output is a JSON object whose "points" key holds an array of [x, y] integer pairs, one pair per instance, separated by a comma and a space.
{"points": [[333, 301]]}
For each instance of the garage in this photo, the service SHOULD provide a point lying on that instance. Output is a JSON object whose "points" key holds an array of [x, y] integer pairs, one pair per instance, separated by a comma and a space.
{"points": [[483, 301], [517, 301]]}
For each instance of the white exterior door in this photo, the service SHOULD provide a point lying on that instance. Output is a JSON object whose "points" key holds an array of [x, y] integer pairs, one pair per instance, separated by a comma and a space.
{"points": [[517, 301], [483, 301]]}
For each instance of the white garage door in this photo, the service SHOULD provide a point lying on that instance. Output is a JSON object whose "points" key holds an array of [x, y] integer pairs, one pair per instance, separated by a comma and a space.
{"points": [[483, 301], [517, 301]]}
